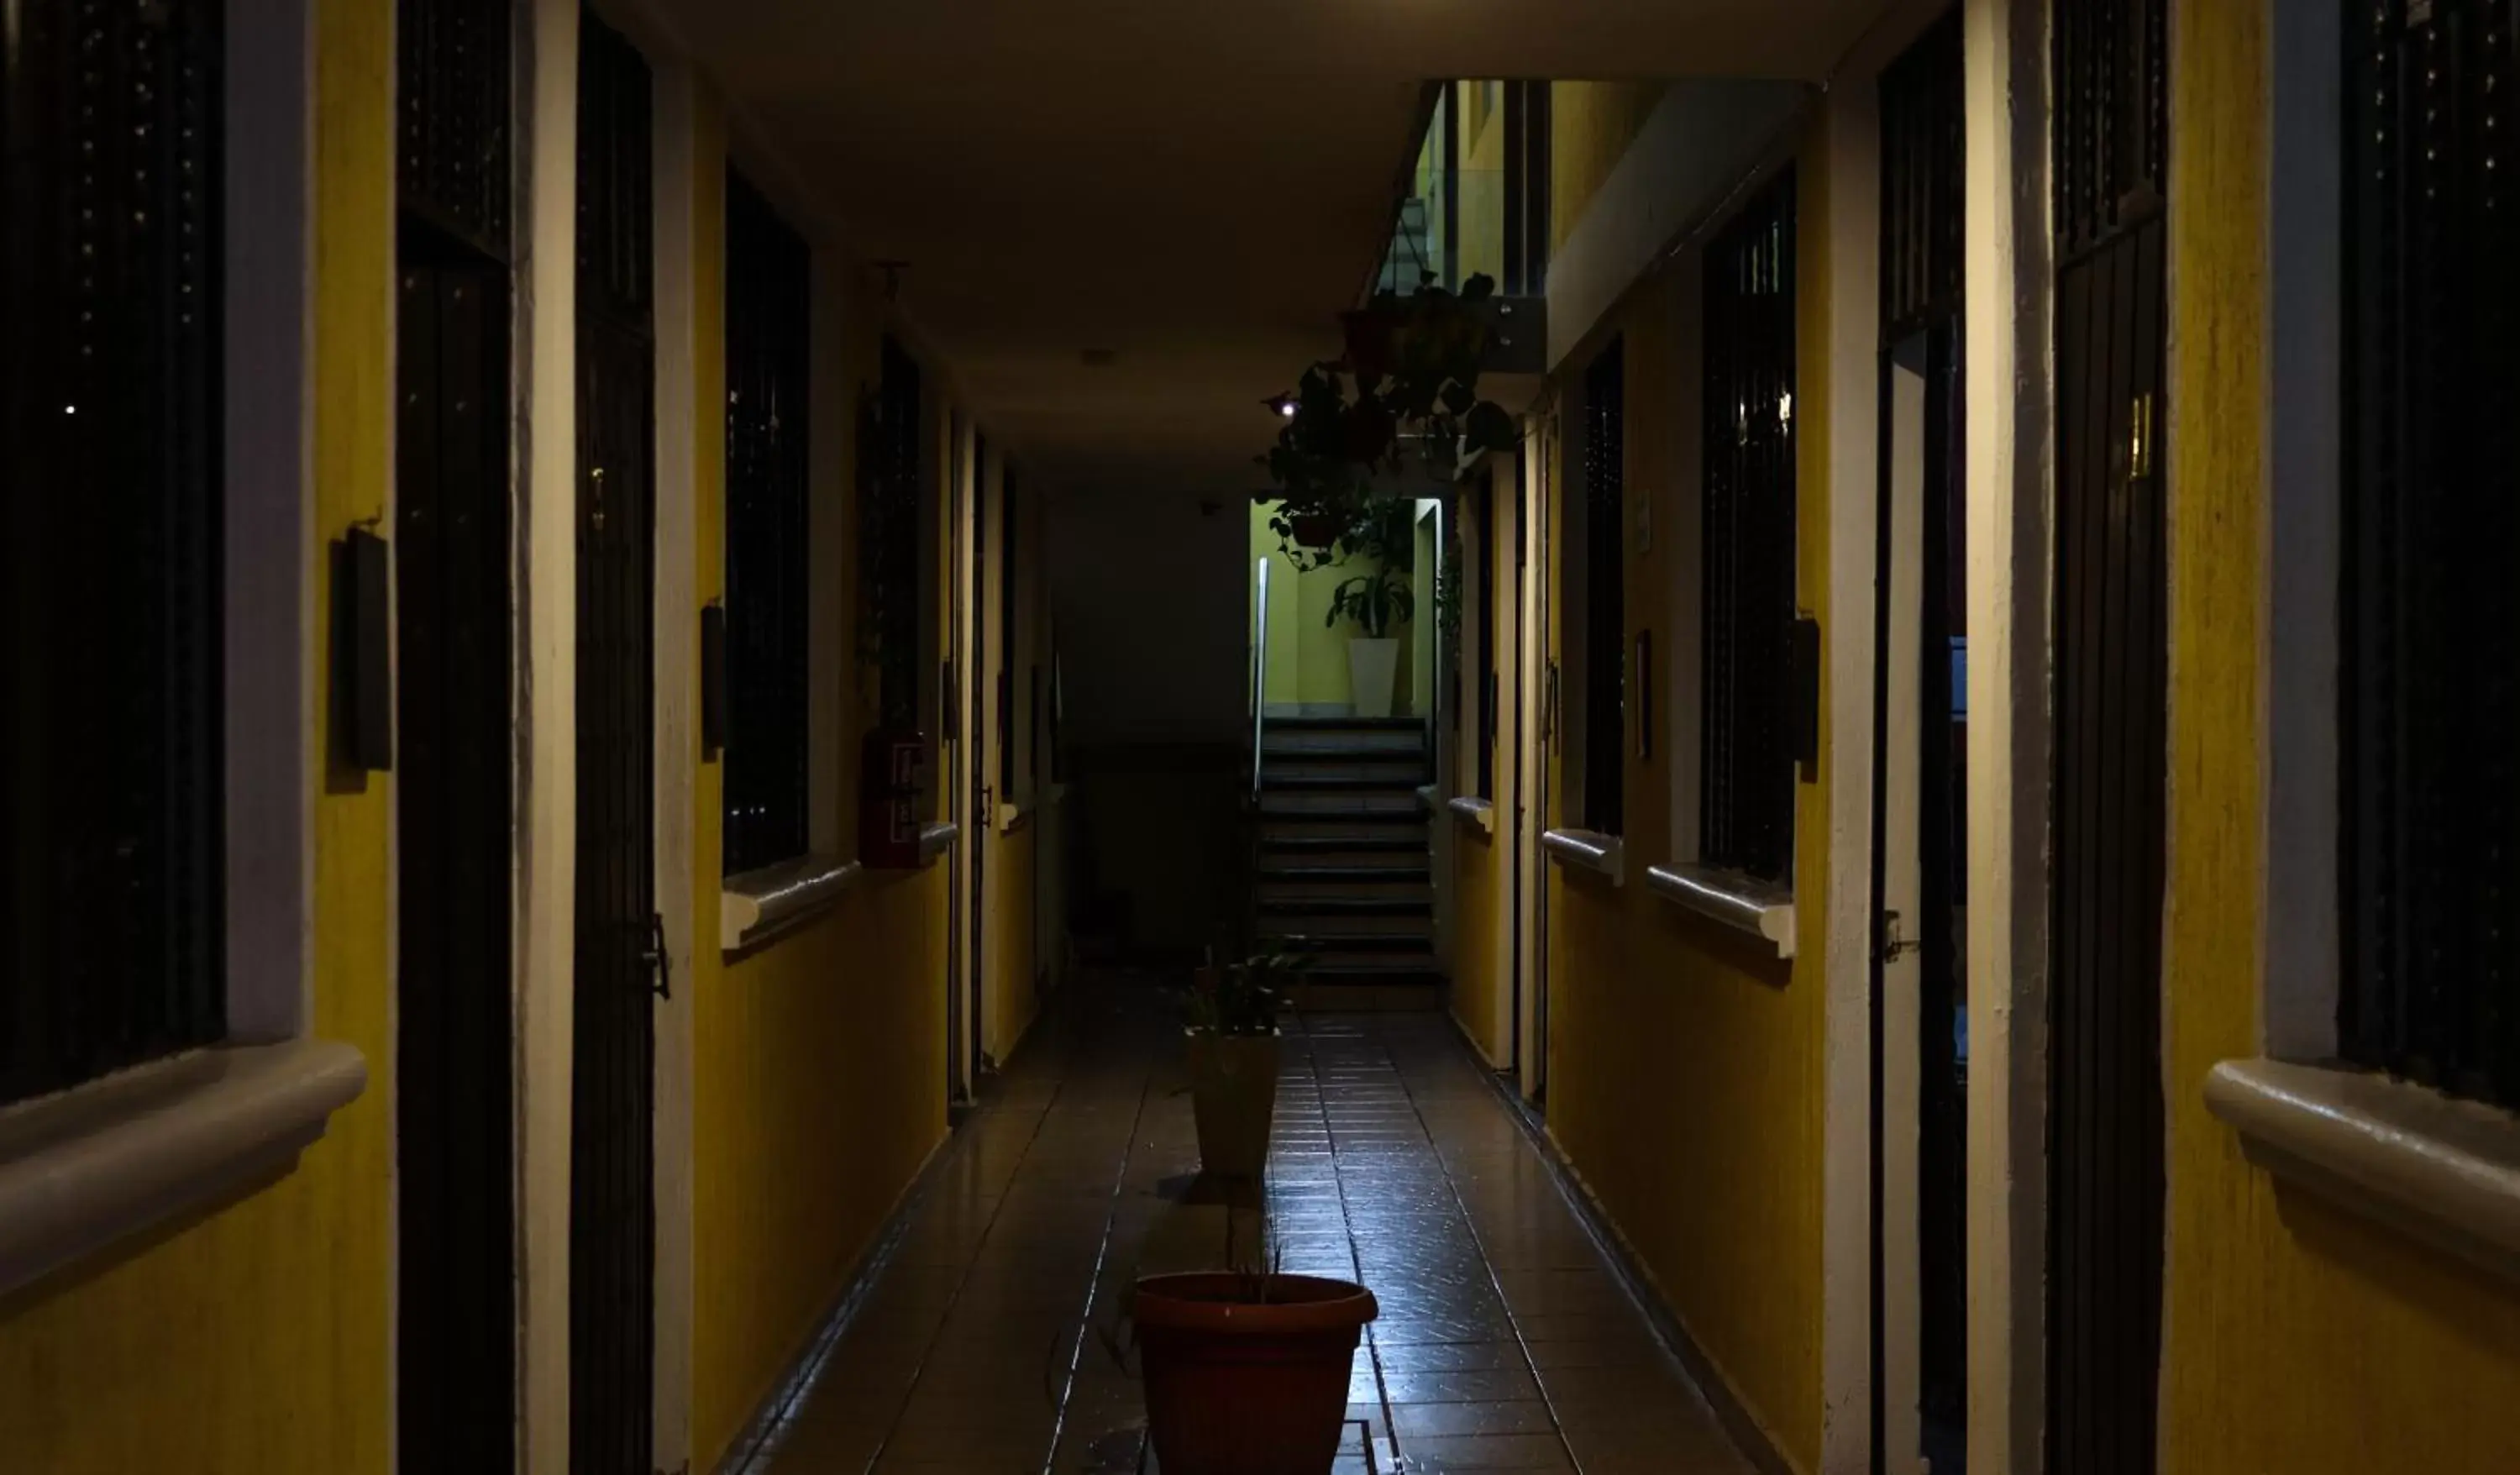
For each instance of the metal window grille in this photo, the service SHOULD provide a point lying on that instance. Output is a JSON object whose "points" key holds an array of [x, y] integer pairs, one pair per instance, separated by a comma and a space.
{"points": [[888, 474], [451, 156], [1007, 526], [2111, 69], [768, 300], [1605, 414], [110, 160], [2431, 815], [1921, 161], [1747, 802], [1486, 669]]}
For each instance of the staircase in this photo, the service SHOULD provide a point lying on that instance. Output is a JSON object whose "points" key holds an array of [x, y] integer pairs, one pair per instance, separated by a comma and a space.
{"points": [[1343, 869]]}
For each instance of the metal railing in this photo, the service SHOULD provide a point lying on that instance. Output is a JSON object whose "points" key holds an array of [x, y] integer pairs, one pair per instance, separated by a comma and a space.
{"points": [[1259, 668]]}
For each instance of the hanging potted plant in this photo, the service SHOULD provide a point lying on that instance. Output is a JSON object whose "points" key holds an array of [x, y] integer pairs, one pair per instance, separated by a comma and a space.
{"points": [[1376, 602], [1410, 376], [1232, 1040]]}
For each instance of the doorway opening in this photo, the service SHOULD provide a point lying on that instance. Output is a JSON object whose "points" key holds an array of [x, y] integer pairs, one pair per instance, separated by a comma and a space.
{"points": [[619, 944], [1919, 1010], [2110, 653], [453, 1100]]}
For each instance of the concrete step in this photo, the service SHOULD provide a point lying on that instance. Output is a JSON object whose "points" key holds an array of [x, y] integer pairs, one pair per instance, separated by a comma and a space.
{"points": [[1326, 925], [1400, 786], [1305, 849], [1412, 870], [1397, 885], [1359, 949], [1403, 770], [1378, 805], [1367, 742]]}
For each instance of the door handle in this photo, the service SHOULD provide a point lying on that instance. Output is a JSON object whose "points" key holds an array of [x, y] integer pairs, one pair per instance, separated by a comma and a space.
{"points": [[660, 961]]}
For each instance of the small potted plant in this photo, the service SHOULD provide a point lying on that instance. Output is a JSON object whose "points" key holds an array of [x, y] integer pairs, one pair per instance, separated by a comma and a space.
{"points": [[1377, 602], [1233, 1046], [1246, 1367]]}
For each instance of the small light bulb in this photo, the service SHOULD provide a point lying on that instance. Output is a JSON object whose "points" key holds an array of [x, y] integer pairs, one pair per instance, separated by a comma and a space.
{"points": [[1286, 408], [70, 409]]}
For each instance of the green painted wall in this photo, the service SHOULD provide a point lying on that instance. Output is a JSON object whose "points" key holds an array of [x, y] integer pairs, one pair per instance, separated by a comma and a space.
{"points": [[1308, 657]]}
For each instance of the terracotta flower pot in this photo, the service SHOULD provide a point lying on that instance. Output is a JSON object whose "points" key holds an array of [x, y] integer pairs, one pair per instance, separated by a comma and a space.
{"points": [[1317, 529], [1235, 1387], [1370, 332], [1234, 1093]]}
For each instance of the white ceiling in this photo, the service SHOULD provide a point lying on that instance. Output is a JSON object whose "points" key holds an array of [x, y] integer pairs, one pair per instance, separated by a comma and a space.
{"points": [[1198, 185]]}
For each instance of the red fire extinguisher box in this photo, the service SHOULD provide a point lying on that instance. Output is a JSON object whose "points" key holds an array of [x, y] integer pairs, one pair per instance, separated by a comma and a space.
{"points": [[893, 787]]}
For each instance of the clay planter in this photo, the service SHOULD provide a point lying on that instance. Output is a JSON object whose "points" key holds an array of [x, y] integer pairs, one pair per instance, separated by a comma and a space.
{"points": [[1234, 1093], [1316, 530], [1369, 335], [1244, 1387]]}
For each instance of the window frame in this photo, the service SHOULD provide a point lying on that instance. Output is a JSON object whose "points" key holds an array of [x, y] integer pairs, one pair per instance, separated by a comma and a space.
{"points": [[1596, 792], [783, 545], [111, 1157], [2392, 1151], [1720, 629]]}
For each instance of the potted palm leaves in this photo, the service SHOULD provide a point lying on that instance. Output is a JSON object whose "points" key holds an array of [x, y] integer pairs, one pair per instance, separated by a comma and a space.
{"points": [[1232, 1038]]}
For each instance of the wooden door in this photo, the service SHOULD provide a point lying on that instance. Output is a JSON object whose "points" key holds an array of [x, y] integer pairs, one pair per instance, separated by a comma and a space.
{"points": [[619, 961]]}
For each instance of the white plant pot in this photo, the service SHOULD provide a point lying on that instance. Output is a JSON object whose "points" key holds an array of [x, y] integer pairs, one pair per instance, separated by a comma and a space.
{"points": [[1372, 667]]}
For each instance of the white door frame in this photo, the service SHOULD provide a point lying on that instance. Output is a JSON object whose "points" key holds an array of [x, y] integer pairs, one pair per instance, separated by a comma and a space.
{"points": [[1536, 737], [2009, 384]]}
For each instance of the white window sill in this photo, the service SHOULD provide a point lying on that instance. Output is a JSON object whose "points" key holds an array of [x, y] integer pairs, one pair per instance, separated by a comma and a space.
{"points": [[757, 906], [1431, 799], [2442, 1171], [89, 1166], [1015, 813], [1761, 909], [1479, 813], [1587, 850]]}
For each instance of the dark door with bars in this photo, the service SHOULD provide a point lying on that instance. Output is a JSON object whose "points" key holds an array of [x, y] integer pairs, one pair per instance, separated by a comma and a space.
{"points": [[2110, 659], [619, 942], [976, 749], [453, 1100]]}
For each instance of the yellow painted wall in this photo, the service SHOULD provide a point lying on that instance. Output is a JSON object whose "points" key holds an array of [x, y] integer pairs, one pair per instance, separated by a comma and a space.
{"points": [[1284, 676], [819, 1058], [821, 1069], [2297, 1338], [1480, 159], [1590, 126], [254, 1339], [1307, 655], [1685, 1059]]}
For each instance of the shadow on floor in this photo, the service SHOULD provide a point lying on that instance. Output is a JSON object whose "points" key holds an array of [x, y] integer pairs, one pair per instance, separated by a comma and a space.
{"points": [[991, 1339]]}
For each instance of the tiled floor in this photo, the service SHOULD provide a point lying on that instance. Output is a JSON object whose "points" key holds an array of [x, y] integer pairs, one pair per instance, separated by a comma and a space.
{"points": [[991, 1343]]}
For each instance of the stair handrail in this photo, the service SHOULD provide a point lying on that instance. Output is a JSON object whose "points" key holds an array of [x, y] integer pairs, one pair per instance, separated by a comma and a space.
{"points": [[1259, 672]]}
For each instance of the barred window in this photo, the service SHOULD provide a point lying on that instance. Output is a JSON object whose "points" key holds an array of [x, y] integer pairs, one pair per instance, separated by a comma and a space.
{"points": [[1604, 674], [1746, 796], [2431, 806], [767, 311], [112, 120]]}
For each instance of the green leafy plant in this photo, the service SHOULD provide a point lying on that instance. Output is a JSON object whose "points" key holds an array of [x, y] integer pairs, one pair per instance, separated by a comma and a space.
{"points": [[1243, 998], [1408, 379], [1376, 600]]}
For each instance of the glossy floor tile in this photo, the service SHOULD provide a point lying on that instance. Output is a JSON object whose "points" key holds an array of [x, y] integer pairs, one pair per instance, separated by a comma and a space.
{"points": [[991, 1341]]}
